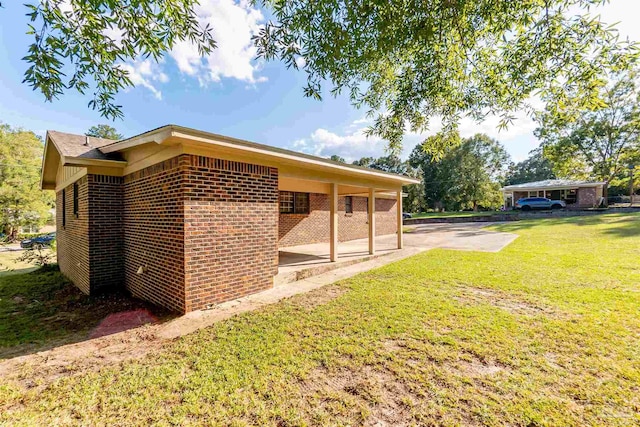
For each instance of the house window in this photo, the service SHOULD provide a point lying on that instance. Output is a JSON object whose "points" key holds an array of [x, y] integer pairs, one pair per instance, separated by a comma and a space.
{"points": [[291, 202], [301, 203], [64, 207], [348, 204], [569, 196], [75, 199]]}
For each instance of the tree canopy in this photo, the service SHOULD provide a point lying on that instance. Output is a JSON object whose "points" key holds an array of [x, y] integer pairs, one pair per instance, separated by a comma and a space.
{"points": [[414, 200], [22, 202], [92, 38], [534, 168], [404, 61], [408, 61], [104, 131], [600, 141], [337, 158], [467, 177]]}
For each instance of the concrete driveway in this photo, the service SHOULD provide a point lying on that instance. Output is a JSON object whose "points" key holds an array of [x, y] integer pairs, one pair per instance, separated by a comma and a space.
{"points": [[306, 260], [468, 236]]}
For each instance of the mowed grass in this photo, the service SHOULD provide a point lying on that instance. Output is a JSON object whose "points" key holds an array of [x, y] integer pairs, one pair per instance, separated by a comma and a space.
{"points": [[11, 265], [41, 308], [545, 332]]}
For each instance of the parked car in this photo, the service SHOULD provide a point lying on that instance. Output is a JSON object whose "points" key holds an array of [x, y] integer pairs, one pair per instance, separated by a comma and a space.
{"points": [[38, 241], [406, 215], [530, 203]]}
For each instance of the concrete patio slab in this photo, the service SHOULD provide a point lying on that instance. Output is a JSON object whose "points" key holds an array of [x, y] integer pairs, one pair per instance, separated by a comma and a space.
{"points": [[301, 262]]}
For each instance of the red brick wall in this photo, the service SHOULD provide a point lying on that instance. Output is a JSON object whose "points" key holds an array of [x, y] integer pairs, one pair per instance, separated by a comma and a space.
{"points": [[105, 232], [153, 221], [587, 197], [231, 220], [300, 229], [72, 240], [203, 230]]}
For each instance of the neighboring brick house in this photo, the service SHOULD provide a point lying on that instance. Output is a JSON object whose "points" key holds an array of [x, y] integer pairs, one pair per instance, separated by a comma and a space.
{"points": [[187, 219], [576, 194]]}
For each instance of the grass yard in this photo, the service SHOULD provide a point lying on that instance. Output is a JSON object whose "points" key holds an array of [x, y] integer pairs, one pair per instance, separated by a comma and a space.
{"points": [[10, 265], [545, 332], [42, 308]]}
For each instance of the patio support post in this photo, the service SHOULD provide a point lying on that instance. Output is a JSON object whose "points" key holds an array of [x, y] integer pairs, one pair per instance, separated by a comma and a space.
{"points": [[372, 220], [399, 217], [333, 222]]}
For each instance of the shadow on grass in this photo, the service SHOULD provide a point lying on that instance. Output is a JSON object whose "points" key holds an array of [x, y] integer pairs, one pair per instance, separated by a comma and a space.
{"points": [[617, 224], [41, 310]]}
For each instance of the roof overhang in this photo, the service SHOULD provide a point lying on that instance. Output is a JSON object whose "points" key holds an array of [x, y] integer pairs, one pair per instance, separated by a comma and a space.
{"points": [[53, 159], [509, 189], [290, 163]]}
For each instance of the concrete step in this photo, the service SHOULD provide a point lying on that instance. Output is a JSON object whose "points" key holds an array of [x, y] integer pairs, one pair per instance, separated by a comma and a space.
{"points": [[305, 273]]}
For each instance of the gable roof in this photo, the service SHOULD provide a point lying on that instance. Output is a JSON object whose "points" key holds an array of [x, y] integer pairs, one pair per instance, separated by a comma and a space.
{"points": [[72, 145], [552, 184], [161, 133], [81, 150], [71, 149]]}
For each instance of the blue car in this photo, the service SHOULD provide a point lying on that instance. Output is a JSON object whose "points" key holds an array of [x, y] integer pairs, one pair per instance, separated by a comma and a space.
{"points": [[39, 241], [530, 203]]}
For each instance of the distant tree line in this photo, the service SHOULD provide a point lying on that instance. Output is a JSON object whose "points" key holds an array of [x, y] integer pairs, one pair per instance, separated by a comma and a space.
{"points": [[22, 202]]}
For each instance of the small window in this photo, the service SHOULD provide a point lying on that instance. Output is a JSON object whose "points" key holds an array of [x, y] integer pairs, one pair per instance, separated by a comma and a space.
{"points": [[301, 203], [291, 202], [286, 202], [348, 204], [64, 207], [75, 199]]}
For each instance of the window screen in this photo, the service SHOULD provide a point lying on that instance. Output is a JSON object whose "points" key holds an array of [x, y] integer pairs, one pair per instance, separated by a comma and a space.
{"points": [[291, 202], [64, 207], [286, 202], [348, 204], [75, 199], [301, 203]]}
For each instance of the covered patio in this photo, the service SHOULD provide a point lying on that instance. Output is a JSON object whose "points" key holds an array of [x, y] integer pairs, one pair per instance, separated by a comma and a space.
{"points": [[299, 262], [334, 227]]}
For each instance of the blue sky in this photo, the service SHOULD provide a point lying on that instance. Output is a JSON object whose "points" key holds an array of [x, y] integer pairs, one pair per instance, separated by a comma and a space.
{"points": [[230, 93]]}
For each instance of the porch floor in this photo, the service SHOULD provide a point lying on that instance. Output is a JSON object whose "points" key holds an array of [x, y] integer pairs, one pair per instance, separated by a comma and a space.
{"points": [[299, 262]]}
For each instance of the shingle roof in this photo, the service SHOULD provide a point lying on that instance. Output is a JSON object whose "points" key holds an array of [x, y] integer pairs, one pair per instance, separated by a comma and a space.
{"points": [[552, 183], [70, 145]]}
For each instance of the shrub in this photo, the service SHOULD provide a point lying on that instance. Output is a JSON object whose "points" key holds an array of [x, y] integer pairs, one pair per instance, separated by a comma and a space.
{"points": [[38, 255]]}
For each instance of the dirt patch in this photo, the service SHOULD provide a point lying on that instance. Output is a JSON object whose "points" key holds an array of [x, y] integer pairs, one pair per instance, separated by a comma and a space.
{"points": [[393, 345], [63, 359], [40, 369], [504, 301], [478, 368], [376, 397], [318, 297]]}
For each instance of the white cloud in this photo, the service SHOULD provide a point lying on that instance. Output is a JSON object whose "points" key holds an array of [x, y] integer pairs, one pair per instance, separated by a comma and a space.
{"points": [[353, 144], [145, 73], [233, 24]]}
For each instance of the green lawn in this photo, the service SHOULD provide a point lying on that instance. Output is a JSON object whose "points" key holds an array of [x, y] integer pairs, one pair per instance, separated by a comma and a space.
{"points": [[10, 265], [42, 308], [545, 332]]}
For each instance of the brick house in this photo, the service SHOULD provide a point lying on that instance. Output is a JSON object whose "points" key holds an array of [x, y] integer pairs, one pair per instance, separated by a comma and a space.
{"points": [[576, 194], [186, 219]]}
